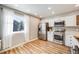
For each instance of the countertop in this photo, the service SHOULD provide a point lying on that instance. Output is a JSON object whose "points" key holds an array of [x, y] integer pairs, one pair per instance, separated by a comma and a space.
{"points": [[77, 36]]}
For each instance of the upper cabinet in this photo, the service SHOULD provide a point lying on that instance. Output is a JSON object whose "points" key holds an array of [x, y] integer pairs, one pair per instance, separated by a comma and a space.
{"points": [[51, 22], [77, 20], [70, 20]]}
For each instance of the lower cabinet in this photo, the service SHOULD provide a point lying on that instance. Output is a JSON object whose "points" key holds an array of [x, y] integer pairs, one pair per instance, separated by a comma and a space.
{"points": [[70, 40], [50, 36]]}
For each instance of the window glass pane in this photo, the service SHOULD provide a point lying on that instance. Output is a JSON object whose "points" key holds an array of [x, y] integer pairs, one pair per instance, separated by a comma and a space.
{"points": [[18, 23]]}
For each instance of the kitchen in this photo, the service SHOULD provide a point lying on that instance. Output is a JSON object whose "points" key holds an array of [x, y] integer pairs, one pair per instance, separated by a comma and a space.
{"points": [[53, 26], [39, 29], [70, 27]]}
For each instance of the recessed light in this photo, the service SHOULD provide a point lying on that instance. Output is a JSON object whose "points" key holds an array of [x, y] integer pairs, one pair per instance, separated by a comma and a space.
{"points": [[53, 12], [77, 5], [40, 16], [49, 8]]}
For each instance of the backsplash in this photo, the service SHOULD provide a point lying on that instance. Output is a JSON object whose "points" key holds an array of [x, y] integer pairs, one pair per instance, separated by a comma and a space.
{"points": [[72, 28]]}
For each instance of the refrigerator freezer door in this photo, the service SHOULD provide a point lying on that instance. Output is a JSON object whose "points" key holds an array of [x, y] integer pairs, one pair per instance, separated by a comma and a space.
{"points": [[43, 28]]}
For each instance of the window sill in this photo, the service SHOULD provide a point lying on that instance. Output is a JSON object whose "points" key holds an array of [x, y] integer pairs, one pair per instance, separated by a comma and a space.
{"points": [[18, 32]]}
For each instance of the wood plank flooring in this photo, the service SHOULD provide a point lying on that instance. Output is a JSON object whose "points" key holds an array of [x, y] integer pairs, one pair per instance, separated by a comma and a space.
{"points": [[39, 47]]}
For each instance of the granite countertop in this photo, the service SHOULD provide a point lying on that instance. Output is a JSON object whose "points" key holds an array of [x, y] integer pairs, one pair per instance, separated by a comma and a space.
{"points": [[77, 36]]}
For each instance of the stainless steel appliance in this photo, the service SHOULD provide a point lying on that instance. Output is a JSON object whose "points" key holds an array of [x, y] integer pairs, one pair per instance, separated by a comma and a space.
{"points": [[59, 23], [59, 32], [42, 31]]}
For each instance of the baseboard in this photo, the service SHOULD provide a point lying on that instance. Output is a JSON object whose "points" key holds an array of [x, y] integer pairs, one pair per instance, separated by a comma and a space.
{"points": [[32, 40], [18, 45]]}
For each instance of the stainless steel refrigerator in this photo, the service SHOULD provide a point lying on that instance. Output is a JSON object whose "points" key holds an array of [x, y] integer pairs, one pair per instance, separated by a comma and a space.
{"points": [[42, 31]]}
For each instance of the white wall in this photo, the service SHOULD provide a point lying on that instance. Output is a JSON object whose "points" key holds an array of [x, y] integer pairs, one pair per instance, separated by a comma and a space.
{"points": [[18, 38]]}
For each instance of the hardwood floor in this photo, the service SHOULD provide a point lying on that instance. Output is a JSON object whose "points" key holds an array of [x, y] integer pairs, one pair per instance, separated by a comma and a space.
{"points": [[39, 47]]}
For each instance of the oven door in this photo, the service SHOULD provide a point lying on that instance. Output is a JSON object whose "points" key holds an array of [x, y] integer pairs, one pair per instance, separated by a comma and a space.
{"points": [[58, 37]]}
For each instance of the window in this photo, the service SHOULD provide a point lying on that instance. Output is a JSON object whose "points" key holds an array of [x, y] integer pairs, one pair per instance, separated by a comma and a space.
{"points": [[18, 23]]}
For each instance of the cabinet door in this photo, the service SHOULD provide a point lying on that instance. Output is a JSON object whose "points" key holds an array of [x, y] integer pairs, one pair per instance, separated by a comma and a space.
{"points": [[77, 20], [70, 20], [51, 22], [69, 39], [50, 36]]}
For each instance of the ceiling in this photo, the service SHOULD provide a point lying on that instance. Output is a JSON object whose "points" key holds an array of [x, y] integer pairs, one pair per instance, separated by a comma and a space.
{"points": [[41, 10]]}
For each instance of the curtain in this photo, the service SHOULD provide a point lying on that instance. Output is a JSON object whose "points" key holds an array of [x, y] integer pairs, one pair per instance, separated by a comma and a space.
{"points": [[26, 27], [7, 27]]}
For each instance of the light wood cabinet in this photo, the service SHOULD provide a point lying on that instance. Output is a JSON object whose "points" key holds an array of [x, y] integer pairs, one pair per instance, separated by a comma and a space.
{"points": [[77, 20]]}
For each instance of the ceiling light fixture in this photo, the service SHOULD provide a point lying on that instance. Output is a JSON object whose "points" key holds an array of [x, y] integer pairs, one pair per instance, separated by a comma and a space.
{"points": [[49, 8], [40, 16]]}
